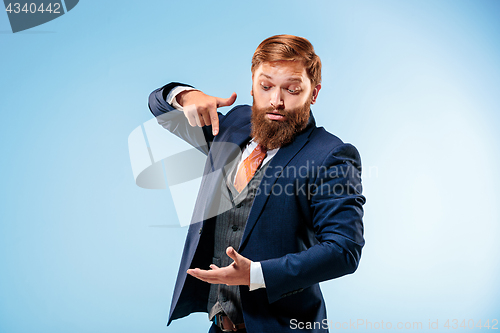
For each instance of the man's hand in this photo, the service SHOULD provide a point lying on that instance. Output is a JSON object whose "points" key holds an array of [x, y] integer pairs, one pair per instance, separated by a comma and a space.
{"points": [[236, 274], [201, 109]]}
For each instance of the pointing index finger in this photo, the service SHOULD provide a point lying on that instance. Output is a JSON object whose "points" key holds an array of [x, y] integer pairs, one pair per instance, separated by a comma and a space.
{"points": [[214, 118], [220, 103]]}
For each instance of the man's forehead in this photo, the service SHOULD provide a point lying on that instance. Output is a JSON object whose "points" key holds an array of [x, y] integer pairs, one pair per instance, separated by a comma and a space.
{"points": [[293, 77], [291, 70]]}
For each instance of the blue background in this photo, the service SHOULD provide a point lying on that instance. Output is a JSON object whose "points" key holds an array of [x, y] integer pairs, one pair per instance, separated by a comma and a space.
{"points": [[414, 85]]}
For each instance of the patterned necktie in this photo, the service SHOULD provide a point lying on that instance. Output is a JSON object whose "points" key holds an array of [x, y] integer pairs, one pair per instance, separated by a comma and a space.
{"points": [[248, 167]]}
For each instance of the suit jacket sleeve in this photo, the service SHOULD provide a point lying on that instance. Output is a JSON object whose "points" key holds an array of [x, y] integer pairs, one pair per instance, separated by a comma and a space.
{"points": [[336, 204], [174, 120]]}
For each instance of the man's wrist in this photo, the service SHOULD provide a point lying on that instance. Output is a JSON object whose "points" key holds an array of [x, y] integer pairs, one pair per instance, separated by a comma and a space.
{"points": [[179, 96], [172, 96]]}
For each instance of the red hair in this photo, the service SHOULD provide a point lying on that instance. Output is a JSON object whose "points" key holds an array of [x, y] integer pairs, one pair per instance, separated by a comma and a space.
{"points": [[288, 47]]}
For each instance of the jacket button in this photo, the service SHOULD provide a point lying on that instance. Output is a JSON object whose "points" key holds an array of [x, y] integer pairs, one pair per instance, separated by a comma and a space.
{"points": [[235, 228], [201, 230]]}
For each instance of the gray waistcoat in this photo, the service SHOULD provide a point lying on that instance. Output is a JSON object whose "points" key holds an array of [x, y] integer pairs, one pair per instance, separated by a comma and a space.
{"points": [[229, 228]]}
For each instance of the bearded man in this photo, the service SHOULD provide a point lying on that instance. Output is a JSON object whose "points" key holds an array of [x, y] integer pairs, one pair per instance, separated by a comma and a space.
{"points": [[280, 205]]}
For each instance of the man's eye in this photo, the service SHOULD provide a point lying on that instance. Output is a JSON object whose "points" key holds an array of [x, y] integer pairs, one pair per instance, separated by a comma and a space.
{"points": [[265, 87], [293, 91]]}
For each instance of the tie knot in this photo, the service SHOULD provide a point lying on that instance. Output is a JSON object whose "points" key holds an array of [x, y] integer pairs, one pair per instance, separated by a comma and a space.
{"points": [[248, 167]]}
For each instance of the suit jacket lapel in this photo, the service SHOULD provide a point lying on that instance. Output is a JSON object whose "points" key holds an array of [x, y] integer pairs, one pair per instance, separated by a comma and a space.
{"points": [[221, 153], [281, 159]]}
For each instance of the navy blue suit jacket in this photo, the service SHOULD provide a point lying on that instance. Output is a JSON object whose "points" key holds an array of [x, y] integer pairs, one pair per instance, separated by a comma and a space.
{"points": [[305, 225]]}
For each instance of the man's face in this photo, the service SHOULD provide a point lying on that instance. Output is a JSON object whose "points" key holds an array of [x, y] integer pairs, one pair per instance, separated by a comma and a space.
{"points": [[282, 95]]}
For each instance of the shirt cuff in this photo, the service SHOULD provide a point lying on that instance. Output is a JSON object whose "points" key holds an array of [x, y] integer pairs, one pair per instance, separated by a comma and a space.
{"points": [[256, 276], [171, 97]]}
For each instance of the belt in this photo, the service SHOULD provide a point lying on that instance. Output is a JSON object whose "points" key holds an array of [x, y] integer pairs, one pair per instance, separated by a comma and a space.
{"points": [[225, 324]]}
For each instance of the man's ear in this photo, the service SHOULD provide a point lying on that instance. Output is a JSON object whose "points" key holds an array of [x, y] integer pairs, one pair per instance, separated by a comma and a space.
{"points": [[315, 93], [251, 91]]}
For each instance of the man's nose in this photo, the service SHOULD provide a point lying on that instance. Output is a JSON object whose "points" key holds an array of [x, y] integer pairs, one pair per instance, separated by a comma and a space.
{"points": [[276, 100]]}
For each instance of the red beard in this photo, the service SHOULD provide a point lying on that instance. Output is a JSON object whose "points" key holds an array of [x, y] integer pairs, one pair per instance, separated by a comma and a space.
{"points": [[274, 133]]}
